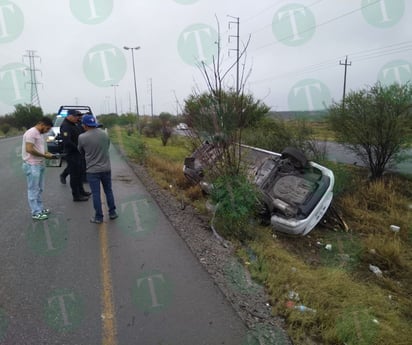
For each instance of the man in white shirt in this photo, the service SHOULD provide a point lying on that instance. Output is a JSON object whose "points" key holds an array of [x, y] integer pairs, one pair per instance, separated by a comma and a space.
{"points": [[34, 154]]}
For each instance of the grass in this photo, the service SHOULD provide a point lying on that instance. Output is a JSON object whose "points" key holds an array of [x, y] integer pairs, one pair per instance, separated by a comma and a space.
{"points": [[165, 163], [335, 294], [176, 150], [12, 132], [353, 305], [129, 143], [322, 131]]}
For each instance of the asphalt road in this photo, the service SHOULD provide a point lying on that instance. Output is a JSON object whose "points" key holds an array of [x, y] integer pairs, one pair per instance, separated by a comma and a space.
{"points": [[337, 152], [128, 281]]}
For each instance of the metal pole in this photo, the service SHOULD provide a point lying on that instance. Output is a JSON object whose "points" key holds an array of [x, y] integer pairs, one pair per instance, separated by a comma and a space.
{"points": [[237, 36], [151, 97], [237, 55], [115, 98], [135, 85], [346, 64]]}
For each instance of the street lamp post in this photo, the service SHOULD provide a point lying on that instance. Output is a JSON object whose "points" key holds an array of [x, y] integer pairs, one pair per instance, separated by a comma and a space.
{"points": [[115, 98], [135, 85]]}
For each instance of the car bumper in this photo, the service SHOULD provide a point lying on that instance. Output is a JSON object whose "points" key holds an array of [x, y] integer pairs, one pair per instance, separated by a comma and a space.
{"points": [[54, 147]]}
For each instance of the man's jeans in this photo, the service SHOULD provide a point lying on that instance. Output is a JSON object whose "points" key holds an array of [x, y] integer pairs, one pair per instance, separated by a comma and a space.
{"points": [[94, 180], [35, 186]]}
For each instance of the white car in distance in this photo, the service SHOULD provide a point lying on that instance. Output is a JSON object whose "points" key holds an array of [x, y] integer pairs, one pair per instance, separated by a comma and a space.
{"points": [[182, 126]]}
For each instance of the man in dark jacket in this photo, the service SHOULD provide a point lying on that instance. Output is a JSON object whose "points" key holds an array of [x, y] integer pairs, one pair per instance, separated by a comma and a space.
{"points": [[65, 172], [70, 132]]}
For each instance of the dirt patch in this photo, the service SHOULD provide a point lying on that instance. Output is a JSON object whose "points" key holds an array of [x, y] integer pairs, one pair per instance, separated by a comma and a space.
{"points": [[247, 298]]}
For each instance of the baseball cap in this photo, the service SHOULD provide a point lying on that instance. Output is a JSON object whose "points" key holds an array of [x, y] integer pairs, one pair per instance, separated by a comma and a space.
{"points": [[74, 112], [89, 121]]}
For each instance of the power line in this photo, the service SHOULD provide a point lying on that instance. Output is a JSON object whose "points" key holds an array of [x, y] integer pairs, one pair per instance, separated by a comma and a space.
{"points": [[378, 52], [265, 11], [271, 6], [318, 25], [356, 56]]}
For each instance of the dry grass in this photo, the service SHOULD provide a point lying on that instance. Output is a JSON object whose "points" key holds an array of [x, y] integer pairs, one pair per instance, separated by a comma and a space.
{"points": [[194, 193], [169, 175], [168, 171], [322, 131], [347, 310], [165, 163], [377, 205], [372, 209]]}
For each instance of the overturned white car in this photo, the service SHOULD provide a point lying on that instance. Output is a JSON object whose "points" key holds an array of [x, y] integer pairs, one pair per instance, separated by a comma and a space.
{"points": [[296, 192]]}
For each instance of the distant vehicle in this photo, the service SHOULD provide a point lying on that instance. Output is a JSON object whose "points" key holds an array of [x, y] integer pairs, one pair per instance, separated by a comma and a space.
{"points": [[182, 126], [54, 141], [295, 192]]}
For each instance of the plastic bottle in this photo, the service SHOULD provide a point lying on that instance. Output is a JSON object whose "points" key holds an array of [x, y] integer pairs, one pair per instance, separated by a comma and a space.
{"points": [[304, 308], [376, 270]]}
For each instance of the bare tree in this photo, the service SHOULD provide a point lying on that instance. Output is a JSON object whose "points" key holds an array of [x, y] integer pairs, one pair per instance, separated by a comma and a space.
{"points": [[221, 113]]}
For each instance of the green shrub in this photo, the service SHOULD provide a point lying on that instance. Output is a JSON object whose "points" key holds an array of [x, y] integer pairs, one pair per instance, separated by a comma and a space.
{"points": [[153, 128], [345, 177], [140, 150], [5, 128], [235, 199]]}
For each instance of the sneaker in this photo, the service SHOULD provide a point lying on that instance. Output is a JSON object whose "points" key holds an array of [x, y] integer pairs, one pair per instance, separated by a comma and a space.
{"points": [[96, 221], [113, 215], [80, 198], [46, 211], [40, 216]]}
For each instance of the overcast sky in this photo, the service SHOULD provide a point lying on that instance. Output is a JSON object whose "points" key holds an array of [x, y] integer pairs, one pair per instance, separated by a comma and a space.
{"points": [[296, 53]]}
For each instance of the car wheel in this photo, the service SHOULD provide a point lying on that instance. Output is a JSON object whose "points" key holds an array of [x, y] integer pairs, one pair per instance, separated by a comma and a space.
{"points": [[296, 156]]}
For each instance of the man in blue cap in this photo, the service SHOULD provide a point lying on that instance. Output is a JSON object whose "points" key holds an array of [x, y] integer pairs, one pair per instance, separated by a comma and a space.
{"points": [[94, 144]]}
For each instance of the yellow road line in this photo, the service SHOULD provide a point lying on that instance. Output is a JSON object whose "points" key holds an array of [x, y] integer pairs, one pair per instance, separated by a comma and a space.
{"points": [[109, 331]]}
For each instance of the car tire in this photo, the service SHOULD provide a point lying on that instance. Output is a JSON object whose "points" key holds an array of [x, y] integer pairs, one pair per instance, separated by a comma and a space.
{"points": [[296, 156]]}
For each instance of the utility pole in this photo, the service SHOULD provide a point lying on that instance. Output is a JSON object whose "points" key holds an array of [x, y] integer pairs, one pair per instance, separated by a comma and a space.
{"points": [[177, 102], [237, 36], [132, 49], [346, 64], [35, 100], [151, 96]]}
